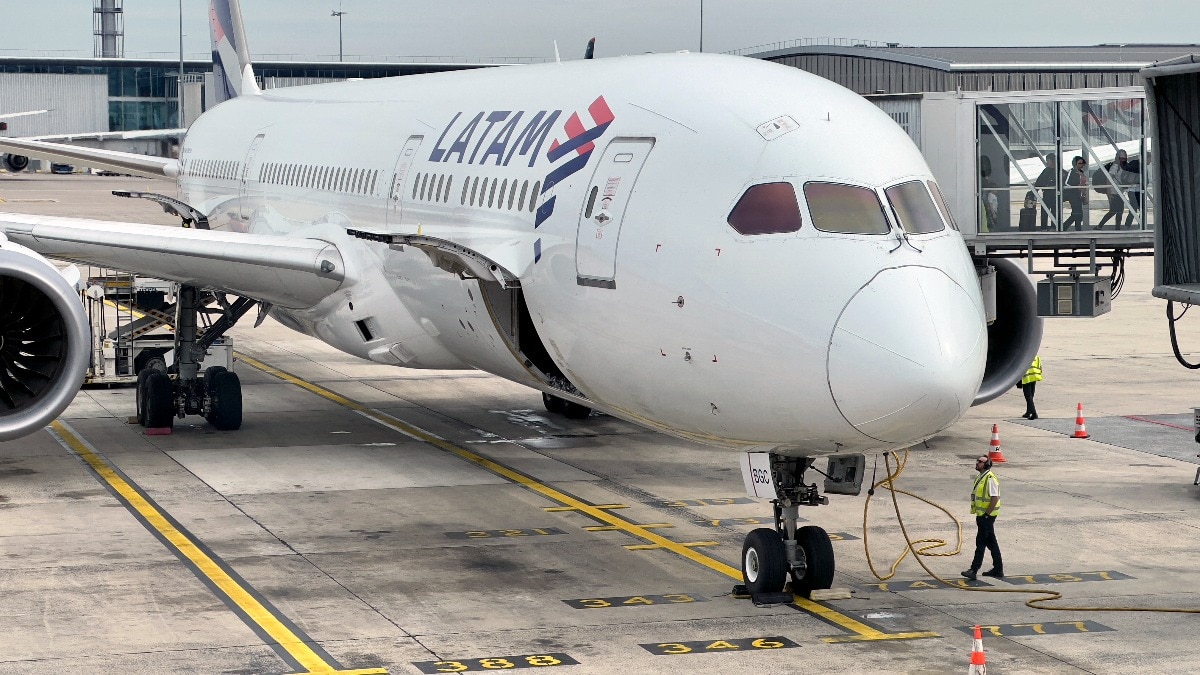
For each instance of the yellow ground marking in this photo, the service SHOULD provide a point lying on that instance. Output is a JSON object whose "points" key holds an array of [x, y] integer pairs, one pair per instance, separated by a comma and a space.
{"points": [[652, 547], [611, 528], [262, 617], [862, 631], [557, 509]]}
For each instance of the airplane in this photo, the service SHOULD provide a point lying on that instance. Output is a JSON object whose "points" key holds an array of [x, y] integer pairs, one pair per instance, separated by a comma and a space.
{"points": [[715, 247], [18, 163]]}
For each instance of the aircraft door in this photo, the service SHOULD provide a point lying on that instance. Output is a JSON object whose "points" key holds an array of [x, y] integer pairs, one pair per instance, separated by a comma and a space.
{"points": [[604, 210], [245, 177], [404, 165]]}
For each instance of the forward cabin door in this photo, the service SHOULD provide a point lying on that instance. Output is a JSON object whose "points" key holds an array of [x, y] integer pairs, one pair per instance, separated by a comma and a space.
{"points": [[400, 177], [604, 210]]}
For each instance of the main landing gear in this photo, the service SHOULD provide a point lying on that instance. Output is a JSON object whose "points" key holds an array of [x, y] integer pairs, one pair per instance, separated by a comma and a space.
{"points": [[165, 392], [561, 406], [770, 555]]}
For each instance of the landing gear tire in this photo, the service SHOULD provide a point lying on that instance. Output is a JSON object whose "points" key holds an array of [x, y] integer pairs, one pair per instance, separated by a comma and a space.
{"points": [[553, 404], [818, 557], [225, 390], [574, 411], [140, 395], [764, 561], [158, 400]]}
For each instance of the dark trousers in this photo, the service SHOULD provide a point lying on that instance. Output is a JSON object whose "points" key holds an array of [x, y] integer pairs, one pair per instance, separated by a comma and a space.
{"points": [[1077, 212], [1116, 207], [1051, 199], [1135, 203], [1028, 391], [986, 538]]}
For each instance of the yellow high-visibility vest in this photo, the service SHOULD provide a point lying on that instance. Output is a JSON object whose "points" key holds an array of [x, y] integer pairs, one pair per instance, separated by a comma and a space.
{"points": [[981, 498], [1034, 374]]}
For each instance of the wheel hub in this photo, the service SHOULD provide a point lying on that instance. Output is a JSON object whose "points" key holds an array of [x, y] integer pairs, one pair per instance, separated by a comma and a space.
{"points": [[752, 565]]}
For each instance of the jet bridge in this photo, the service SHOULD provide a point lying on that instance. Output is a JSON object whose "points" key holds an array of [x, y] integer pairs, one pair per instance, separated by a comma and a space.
{"points": [[1173, 95], [1006, 164]]}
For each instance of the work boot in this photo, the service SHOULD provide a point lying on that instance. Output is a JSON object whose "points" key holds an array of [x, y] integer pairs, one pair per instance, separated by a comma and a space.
{"points": [[970, 574], [999, 574]]}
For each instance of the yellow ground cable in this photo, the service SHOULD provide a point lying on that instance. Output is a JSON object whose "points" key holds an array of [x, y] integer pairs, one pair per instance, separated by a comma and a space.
{"points": [[1047, 595], [930, 544]]}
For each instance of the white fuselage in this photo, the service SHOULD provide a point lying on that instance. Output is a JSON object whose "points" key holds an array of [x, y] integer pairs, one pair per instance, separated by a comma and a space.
{"points": [[645, 298]]}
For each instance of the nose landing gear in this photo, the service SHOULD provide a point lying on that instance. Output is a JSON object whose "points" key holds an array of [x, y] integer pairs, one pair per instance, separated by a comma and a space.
{"points": [[770, 555]]}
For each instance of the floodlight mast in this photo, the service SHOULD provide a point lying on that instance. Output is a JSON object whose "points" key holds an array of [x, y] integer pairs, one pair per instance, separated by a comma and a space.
{"points": [[339, 14]]}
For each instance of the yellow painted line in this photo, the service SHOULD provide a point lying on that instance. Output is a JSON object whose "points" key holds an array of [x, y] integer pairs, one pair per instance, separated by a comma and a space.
{"points": [[651, 547], [185, 546], [862, 631], [612, 528], [559, 509]]}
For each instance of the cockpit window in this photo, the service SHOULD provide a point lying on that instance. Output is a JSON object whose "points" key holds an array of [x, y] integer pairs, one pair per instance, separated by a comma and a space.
{"points": [[941, 204], [845, 208], [768, 208], [914, 208]]}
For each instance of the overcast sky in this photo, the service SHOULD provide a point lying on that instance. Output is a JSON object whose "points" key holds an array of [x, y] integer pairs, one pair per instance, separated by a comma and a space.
{"points": [[528, 28]]}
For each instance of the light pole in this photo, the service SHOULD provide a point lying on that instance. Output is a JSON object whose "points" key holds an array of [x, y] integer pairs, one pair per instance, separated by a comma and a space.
{"points": [[702, 26], [180, 120], [339, 14]]}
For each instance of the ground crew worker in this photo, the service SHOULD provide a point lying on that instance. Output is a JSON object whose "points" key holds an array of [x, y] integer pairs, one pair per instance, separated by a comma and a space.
{"points": [[985, 506], [1027, 385]]}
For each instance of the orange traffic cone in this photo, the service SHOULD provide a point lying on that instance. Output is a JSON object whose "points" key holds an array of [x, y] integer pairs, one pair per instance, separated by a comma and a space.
{"points": [[978, 658], [1080, 429], [994, 453]]}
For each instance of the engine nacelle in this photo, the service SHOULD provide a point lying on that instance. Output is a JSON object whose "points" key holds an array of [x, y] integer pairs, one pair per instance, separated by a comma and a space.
{"points": [[1015, 336], [45, 340], [16, 163]]}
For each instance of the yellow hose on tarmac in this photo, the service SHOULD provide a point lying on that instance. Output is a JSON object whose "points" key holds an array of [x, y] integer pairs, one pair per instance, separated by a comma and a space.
{"points": [[930, 545]]}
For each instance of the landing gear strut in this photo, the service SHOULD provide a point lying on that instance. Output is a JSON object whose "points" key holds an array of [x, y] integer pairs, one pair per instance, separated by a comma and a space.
{"points": [[770, 555], [166, 392]]}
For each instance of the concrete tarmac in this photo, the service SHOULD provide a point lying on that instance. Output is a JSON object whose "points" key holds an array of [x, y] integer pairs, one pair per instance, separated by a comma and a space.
{"points": [[369, 517]]}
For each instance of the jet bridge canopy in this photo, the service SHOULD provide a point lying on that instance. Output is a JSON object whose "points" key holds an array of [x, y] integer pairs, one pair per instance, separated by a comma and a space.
{"points": [[1005, 162], [1173, 95]]}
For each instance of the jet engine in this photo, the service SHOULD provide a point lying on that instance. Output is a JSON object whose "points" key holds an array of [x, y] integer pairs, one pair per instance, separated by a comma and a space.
{"points": [[45, 341], [16, 163], [1015, 336]]}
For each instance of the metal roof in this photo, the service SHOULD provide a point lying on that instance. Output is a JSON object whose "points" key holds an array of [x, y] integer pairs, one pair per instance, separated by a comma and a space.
{"points": [[1080, 57]]}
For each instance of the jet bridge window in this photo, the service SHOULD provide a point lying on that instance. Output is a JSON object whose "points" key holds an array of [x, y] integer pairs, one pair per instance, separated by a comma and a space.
{"points": [[914, 209], [768, 208], [845, 209]]}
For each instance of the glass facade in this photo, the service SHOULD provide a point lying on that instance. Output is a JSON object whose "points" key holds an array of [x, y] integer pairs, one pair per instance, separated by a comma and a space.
{"points": [[1063, 166]]}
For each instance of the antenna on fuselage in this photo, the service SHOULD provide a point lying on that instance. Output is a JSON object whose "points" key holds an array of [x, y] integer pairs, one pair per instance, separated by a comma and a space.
{"points": [[591, 49]]}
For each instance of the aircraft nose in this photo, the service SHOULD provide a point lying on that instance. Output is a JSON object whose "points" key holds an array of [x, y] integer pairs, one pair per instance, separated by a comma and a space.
{"points": [[907, 354]]}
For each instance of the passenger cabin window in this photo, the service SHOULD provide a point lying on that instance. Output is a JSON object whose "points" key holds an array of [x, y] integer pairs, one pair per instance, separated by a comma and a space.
{"points": [[845, 209], [914, 208], [769, 208]]}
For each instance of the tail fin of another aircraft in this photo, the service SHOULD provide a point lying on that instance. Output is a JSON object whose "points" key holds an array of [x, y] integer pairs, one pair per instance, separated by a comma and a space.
{"points": [[231, 56]]}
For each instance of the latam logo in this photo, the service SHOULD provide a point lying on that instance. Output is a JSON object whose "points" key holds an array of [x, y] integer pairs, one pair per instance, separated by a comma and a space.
{"points": [[581, 141], [496, 137]]}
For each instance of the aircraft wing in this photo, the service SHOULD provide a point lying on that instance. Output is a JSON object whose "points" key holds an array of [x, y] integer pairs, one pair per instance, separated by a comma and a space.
{"points": [[293, 273], [122, 162], [4, 116], [109, 135]]}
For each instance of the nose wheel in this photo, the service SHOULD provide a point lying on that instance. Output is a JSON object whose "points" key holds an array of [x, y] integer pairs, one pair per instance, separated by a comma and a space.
{"points": [[771, 555]]}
